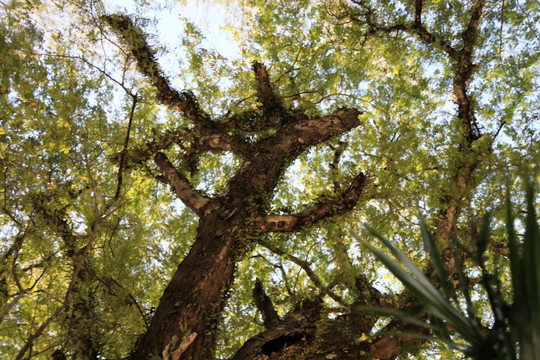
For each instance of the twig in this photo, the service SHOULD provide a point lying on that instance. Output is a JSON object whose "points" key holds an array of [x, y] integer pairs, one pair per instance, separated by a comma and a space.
{"points": [[124, 152], [310, 273], [501, 29]]}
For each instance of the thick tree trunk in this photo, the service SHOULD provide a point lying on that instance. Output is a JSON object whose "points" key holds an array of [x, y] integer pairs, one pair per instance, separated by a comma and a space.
{"points": [[183, 324], [188, 308]]}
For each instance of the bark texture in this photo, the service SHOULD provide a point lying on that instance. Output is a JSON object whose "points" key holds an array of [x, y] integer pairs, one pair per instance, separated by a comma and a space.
{"points": [[183, 323], [337, 341]]}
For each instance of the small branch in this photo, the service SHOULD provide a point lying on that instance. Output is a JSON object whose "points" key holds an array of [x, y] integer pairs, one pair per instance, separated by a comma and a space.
{"points": [[252, 121], [6, 308], [310, 273], [418, 6], [271, 104], [338, 205], [149, 149], [265, 306], [95, 67], [183, 189], [56, 220], [501, 29], [124, 152], [248, 121], [211, 141], [107, 282], [462, 58], [499, 128], [18, 245], [334, 164], [416, 28], [471, 34]]}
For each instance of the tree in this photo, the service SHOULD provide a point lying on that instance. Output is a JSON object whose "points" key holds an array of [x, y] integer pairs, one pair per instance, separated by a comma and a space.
{"points": [[338, 114]]}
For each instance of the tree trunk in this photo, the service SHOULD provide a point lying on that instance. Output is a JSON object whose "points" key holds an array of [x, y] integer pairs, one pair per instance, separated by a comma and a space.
{"points": [[196, 293], [183, 324]]}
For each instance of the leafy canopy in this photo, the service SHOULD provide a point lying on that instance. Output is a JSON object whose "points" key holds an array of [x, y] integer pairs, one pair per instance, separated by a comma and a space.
{"points": [[89, 240]]}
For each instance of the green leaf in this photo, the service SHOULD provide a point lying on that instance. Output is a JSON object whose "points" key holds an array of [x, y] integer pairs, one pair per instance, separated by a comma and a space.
{"points": [[435, 256], [416, 282], [483, 239], [463, 280]]}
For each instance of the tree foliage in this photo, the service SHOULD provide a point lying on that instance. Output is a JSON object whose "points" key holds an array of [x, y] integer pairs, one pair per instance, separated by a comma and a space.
{"points": [[514, 331], [211, 208]]}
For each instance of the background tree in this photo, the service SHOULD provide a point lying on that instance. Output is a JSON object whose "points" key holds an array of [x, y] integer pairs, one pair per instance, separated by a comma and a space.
{"points": [[337, 114]]}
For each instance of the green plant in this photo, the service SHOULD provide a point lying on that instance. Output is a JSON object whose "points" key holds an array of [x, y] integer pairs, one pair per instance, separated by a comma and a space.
{"points": [[515, 332]]}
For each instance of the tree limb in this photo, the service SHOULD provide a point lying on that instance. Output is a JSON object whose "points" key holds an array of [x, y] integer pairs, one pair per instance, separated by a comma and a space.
{"points": [[462, 57], [135, 39], [338, 205], [56, 220], [223, 142], [334, 164], [265, 306], [183, 189], [122, 164], [271, 104], [248, 121], [310, 273], [471, 33]]}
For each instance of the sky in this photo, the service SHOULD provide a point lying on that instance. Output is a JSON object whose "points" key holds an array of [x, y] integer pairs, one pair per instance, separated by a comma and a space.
{"points": [[209, 17]]}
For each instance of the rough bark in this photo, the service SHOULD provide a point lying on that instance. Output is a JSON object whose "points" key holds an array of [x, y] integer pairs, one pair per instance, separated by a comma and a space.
{"points": [[335, 344], [195, 296], [183, 323], [196, 293], [307, 333]]}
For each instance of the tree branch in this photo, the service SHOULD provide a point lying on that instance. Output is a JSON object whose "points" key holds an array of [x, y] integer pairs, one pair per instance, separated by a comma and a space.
{"points": [[310, 273], [183, 189], [248, 121], [339, 205], [271, 103], [135, 39], [149, 149], [471, 34], [122, 164], [416, 27], [273, 112], [223, 142], [56, 220], [334, 164], [265, 306], [462, 58]]}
